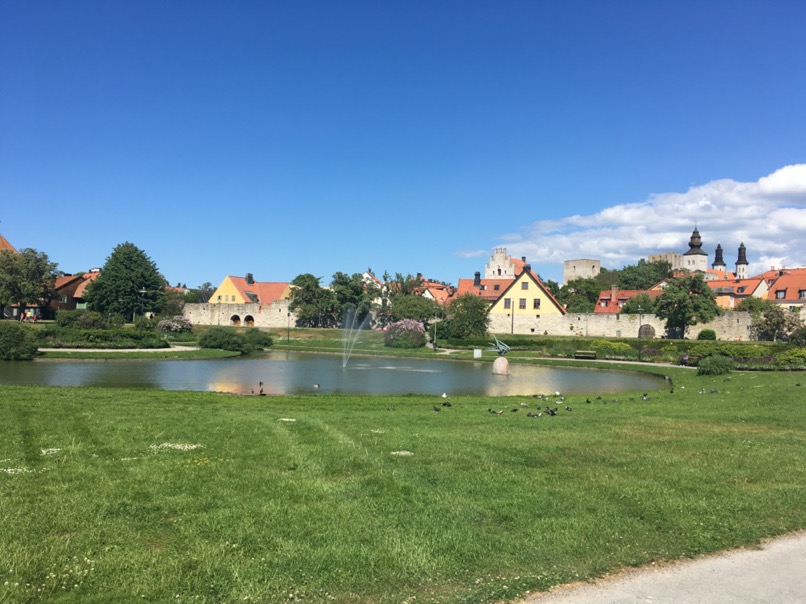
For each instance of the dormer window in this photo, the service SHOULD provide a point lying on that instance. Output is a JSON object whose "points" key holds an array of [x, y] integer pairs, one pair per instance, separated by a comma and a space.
{"points": [[496, 287], [780, 294]]}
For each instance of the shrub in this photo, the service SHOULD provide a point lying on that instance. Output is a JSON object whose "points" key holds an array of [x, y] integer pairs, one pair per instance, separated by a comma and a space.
{"points": [[407, 333], [707, 334], [87, 319], [791, 359], [17, 343], [223, 339], [179, 324], [257, 340], [715, 365], [612, 350]]}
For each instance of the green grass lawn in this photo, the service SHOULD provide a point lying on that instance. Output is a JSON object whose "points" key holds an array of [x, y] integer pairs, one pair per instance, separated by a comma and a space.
{"points": [[152, 496]]}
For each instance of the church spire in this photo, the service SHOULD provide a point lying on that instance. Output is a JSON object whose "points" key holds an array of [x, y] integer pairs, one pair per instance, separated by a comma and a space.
{"points": [[741, 263], [719, 261]]}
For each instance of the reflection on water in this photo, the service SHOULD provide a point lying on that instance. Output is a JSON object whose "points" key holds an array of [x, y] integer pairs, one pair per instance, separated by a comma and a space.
{"points": [[300, 373]]}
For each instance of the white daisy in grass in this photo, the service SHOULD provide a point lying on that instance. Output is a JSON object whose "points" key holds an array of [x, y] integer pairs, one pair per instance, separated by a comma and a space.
{"points": [[402, 453], [174, 447], [13, 471]]}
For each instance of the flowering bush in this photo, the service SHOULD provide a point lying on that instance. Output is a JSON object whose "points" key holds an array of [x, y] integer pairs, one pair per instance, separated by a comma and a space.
{"points": [[407, 333], [178, 324]]}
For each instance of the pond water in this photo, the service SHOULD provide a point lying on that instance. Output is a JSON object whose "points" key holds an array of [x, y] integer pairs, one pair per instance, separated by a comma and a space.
{"points": [[300, 373]]}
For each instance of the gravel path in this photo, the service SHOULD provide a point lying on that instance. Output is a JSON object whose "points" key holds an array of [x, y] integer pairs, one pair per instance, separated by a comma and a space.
{"points": [[775, 573]]}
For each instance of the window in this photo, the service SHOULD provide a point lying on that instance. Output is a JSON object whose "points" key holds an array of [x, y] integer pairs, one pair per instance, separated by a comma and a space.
{"points": [[524, 285], [603, 303], [522, 303], [780, 294], [63, 299], [507, 303], [219, 298], [496, 287], [802, 294], [536, 303]]}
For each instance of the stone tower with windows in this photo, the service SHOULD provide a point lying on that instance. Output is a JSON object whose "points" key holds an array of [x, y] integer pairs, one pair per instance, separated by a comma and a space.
{"points": [[695, 259]]}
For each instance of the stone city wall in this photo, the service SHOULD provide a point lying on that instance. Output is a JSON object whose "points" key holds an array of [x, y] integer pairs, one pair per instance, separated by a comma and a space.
{"points": [[730, 326], [273, 315]]}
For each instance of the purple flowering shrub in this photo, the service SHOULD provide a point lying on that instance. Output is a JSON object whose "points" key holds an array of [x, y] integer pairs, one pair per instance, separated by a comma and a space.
{"points": [[178, 324], [407, 333]]}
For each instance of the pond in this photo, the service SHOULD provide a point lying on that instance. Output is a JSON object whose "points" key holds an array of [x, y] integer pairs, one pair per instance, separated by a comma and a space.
{"points": [[304, 373]]}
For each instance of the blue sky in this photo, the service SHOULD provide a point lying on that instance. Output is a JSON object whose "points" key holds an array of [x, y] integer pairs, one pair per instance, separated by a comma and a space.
{"points": [[279, 138]]}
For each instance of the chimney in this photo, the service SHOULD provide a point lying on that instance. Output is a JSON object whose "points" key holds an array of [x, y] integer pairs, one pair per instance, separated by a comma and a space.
{"points": [[477, 279], [250, 280], [523, 258]]}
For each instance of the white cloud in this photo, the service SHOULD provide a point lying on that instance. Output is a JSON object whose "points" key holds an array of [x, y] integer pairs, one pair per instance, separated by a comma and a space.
{"points": [[768, 216]]}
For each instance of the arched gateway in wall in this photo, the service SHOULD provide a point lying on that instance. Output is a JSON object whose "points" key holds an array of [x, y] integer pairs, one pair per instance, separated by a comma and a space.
{"points": [[235, 320]]}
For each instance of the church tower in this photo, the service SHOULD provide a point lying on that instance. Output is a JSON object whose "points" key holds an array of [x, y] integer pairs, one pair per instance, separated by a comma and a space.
{"points": [[741, 263], [719, 261], [695, 259]]}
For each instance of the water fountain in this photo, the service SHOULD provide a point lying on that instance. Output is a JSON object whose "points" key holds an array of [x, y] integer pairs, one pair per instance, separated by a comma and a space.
{"points": [[352, 330]]}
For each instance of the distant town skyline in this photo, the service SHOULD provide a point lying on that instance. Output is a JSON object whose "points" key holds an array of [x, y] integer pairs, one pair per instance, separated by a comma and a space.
{"points": [[275, 139]]}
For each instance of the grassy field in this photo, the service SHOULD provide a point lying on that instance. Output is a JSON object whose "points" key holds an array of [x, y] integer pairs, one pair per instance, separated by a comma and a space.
{"points": [[150, 496]]}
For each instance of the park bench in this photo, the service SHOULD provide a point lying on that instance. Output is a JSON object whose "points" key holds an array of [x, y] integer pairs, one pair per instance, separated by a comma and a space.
{"points": [[585, 354]]}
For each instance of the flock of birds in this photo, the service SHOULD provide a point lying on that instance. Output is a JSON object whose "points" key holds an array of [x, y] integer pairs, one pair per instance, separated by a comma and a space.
{"points": [[541, 409]]}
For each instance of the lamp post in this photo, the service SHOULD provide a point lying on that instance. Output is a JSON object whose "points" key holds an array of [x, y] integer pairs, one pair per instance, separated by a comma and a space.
{"points": [[142, 293]]}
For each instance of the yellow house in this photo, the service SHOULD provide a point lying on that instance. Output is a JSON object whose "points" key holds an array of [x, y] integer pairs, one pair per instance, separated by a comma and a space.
{"points": [[526, 296], [245, 290]]}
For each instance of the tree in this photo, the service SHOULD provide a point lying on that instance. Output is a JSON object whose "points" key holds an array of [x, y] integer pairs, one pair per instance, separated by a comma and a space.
{"points": [[686, 301], [755, 306], [775, 324], [129, 284], [17, 343], [644, 274], [313, 305], [26, 278], [580, 295], [412, 307], [468, 317], [642, 301], [353, 295]]}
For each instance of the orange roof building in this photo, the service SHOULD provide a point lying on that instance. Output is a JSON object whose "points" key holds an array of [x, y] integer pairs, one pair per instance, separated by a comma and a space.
{"points": [[5, 245], [613, 300], [245, 290]]}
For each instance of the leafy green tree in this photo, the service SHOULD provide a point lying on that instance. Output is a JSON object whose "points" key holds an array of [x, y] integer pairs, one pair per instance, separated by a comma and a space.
{"points": [[774, 323], [580, 295], [26, 278], [607, 278], [468, 317], [353, 295], [686, 301], [755, 306], [413, 307], [313, 305], [642, 301], [644, 274], [129, 284]]}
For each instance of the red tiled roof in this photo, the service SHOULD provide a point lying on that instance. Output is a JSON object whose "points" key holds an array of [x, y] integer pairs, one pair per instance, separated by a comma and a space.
{"points": [[262, 292], [5, 245], [791, 284], [88, 278], [609, 304], [486, 289], [64, 281]]}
